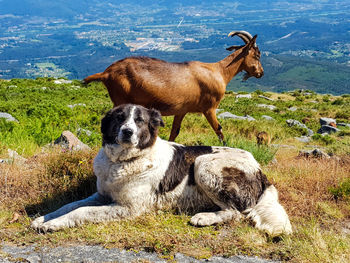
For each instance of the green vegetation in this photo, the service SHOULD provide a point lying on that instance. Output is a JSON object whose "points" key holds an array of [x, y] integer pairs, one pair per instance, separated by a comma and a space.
{"points": [[314, 192], [342, 190]]}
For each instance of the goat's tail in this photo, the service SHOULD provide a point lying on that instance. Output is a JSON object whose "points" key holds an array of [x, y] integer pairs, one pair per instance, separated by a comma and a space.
{"points": [[95, 77], [268, 214]]}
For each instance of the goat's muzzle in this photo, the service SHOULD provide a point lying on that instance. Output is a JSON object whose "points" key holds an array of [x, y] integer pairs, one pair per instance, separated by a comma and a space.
{"points": [[260, 74]]}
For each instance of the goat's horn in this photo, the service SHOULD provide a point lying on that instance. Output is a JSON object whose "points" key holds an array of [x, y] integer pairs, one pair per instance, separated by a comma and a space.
{"points": [[244, 35]]}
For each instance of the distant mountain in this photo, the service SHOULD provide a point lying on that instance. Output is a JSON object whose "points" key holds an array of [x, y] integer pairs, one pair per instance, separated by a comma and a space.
{"points": [[305, 43]]}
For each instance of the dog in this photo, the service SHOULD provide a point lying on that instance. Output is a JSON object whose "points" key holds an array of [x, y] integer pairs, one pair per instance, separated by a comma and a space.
{"points": [[138, 172]]}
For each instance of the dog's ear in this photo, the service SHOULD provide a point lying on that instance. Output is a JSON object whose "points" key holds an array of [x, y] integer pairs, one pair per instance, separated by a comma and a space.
{"points": [[155, 118], [106, 121]]}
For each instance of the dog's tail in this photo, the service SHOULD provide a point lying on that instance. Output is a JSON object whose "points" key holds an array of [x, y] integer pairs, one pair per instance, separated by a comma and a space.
{"points": [[268, 214], [95, 77]]}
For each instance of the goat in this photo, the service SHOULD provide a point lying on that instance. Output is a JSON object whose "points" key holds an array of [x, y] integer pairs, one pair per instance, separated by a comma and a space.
{"points": [[179, 88], [263, 138]]}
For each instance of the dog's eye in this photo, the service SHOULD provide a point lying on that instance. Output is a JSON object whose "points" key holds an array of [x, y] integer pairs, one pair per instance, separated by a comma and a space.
{"points": [[120, 117], [139, 120]]}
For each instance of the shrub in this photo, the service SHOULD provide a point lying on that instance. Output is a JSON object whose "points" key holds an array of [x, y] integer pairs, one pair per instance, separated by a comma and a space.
{"points": [[326, 98], [326, 139], [342, 114], [342, 190], [338, 102]]}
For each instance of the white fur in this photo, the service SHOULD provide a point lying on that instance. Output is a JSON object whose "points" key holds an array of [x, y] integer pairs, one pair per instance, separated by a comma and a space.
{"points": [[130, 123], [269, 215]]}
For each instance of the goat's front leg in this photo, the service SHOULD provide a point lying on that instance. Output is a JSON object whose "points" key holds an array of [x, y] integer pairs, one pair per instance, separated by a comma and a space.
{"points": [[211, 117], [175, 130]]}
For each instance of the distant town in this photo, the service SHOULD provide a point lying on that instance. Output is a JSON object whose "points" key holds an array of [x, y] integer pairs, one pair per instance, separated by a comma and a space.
{"points": [[77, 43]]}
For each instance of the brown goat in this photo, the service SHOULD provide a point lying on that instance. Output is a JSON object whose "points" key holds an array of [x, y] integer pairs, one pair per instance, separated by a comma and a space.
{"points": [[263, 138], [179, 88]]}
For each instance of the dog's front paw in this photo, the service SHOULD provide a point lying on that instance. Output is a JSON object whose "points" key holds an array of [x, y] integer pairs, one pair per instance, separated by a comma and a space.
{"points": [[37, 222], [48, 226], [205, 219]]}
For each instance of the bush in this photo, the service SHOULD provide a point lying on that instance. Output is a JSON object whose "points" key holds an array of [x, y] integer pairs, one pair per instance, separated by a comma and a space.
{"points": [[342, 190], [342, 115], [338, 102], [326, 139]]}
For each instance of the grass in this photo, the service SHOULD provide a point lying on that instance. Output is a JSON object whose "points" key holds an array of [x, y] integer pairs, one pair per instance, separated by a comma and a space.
{"points": [[314, 192]]}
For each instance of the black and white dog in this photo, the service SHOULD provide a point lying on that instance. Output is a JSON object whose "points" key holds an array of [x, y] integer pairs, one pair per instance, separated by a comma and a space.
{"points": [[138, 172]]}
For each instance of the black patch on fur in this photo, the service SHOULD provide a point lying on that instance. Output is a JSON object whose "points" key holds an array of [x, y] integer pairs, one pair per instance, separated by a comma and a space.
{"points": [[219, 128], [250, 189], [148, 133], [181, 166]]}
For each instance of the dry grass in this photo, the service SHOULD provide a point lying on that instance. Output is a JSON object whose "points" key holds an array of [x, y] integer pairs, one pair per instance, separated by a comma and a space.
{"points": [[320, 222], [49, 179]]}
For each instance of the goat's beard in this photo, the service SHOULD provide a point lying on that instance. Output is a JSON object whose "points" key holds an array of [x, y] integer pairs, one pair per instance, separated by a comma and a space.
{"points": [[246, 76]]}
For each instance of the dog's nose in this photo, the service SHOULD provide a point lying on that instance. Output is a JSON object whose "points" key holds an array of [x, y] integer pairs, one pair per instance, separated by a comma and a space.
{"points": [[127, 132]]}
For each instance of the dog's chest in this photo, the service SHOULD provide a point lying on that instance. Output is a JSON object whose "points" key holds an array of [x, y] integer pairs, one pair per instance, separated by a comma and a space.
{"points": [[128, 171]]}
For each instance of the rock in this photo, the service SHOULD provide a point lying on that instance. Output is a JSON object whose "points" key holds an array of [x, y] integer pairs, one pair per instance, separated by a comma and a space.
{"points": [[266, 98], [7, 116], [87, 132], [327, 121], [316, 153], [247, 96], [304, 139], [266, 117], [14, 157], [270, 107], [87, 253], [274, 161], [62, 81], [69, 141], [344, 124], [75, 105], [327, 129], [283, 146], [291, 123], [218, 110], [310, 132], [229, 115], [293, 108]]}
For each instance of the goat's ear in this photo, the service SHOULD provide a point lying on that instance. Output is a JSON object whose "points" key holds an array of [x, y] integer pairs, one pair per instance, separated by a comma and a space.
{"points": [[156, 118]]}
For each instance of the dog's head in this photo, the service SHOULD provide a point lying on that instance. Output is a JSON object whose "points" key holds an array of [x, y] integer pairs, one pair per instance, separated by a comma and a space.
{"points": [[131, 125]]}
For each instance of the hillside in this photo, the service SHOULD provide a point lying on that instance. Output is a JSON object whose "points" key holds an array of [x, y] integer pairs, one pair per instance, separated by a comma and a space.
{"points": [[305, 43], [40, 177]]}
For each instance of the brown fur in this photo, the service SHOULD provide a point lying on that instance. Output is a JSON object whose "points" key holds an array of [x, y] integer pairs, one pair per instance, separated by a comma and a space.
{"points": [[305, 120], [263, 138], [178, 88]]}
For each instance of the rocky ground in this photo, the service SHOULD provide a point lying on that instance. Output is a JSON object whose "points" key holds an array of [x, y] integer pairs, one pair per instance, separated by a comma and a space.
{"points": [[32, 254]]}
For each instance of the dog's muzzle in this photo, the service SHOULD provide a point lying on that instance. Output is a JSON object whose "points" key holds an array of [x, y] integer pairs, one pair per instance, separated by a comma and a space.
{"points": [[126, 134]]}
